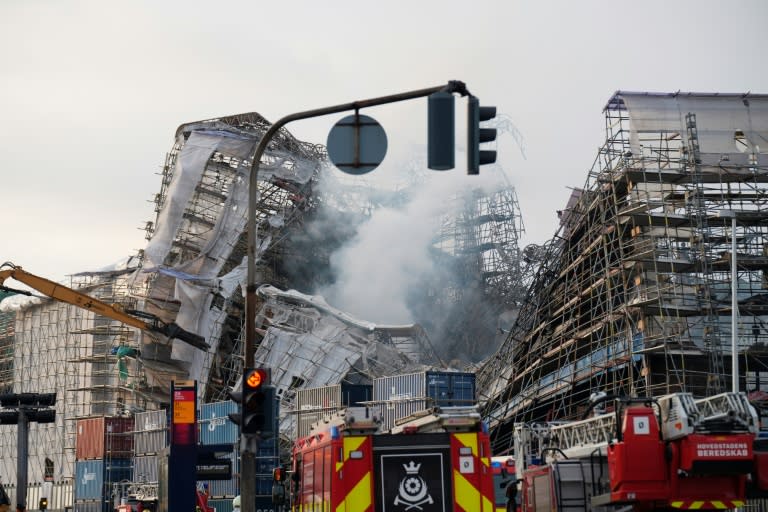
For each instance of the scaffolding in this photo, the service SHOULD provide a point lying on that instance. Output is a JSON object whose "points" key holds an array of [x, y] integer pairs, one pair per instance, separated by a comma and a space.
{"points": [[54, 347], [633, 294], [479, 240]]}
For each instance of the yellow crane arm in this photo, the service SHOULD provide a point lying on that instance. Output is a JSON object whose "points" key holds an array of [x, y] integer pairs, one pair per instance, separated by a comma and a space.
{"points": [[68, 295]]}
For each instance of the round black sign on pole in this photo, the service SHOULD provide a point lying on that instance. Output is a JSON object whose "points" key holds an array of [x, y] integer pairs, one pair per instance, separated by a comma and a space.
{"points": [[357, 144]]}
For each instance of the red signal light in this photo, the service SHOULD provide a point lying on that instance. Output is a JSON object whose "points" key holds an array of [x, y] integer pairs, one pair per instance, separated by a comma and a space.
{"points": [[255, 378]]}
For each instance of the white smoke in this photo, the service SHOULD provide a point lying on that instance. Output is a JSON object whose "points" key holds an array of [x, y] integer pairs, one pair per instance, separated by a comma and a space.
{"points": [[390, 254]]}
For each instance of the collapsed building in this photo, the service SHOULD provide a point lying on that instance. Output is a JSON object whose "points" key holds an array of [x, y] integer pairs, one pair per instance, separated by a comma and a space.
{"points": [[633, 295], [192, 273]]}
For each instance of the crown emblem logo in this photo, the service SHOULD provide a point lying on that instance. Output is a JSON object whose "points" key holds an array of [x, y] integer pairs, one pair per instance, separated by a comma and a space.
{"points": [[412, 468], [413, 492]]}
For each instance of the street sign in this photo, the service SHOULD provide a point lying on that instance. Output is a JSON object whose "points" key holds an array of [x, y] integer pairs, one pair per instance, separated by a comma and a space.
{"points": [[213, 469], [184, 413], [357, 144]]}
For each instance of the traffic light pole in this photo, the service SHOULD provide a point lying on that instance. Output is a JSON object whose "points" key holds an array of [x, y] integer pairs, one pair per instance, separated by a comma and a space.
{"points": [[247, 491], [24, 408], [22, 459]]}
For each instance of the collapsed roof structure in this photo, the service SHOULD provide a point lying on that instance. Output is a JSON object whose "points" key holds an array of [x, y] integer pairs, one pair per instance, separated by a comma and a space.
{"points": [[192, 272], [634, 293]]}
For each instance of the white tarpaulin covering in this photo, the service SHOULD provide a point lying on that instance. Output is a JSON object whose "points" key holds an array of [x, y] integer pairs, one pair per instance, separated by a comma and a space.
{"points": [[718, 119], [311, 344], [198, 279]]}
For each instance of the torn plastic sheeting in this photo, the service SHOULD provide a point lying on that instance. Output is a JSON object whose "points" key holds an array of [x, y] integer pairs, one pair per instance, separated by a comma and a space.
{"points": [[225, 233], [315, 301], [178, 274], [287, 166], [317, 361], [187, 173]]}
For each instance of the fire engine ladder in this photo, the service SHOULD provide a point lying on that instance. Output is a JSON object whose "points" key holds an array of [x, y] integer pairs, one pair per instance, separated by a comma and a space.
{"points": [[445, 419], [728, 411], [580, 439]]}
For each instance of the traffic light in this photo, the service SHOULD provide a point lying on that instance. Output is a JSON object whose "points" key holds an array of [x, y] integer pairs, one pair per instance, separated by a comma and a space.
{"points": [[440, 131], [43, 505], [257, 404], [236, 417], [476, 135], [9, 417], [42, 415]]}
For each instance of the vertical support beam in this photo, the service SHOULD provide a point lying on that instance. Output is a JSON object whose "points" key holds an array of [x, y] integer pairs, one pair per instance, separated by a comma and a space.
{"points": [[22, 460], [734, 310]]}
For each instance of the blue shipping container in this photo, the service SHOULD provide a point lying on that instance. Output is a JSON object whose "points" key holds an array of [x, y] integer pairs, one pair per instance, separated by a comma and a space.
{"points": [[400, 396], [215, 425], [443, 388], [93, 478], [92, 506], [451, 389]]}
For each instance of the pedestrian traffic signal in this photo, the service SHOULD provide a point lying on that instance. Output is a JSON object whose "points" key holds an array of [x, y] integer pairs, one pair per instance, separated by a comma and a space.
{"points": [[258, 403], [440, 131], [477, 135]]}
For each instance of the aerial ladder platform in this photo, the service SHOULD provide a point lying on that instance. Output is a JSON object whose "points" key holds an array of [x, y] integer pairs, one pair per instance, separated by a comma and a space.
{"points": [[659, 453]]}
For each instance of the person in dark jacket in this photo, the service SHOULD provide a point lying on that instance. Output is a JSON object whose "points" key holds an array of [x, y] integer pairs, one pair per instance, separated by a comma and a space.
{"points": [[511, 494], [5, 501]]}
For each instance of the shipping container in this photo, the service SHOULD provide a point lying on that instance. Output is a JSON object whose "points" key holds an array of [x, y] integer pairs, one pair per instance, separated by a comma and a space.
{"points": [[266, 460], [94, 477], [104, 437], [222, 505], [215, 425], [225, 488], [151, 432], [92, 506], [145, 468], [312, 404], [400, 396], [152, 420]]}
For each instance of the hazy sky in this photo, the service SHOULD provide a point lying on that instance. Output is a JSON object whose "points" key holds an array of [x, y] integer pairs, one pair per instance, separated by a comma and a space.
{"points": [[91, 92]]}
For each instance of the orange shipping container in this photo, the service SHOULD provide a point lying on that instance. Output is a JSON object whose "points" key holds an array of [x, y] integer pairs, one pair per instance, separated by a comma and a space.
{"points": [[102, 437]]}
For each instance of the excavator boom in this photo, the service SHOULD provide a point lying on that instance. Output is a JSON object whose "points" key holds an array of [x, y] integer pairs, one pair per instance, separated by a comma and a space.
{"points": [[68, 295]]}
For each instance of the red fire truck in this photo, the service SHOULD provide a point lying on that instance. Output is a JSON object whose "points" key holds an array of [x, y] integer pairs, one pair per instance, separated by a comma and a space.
{"points": [[673, 452], [439, 461]]}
